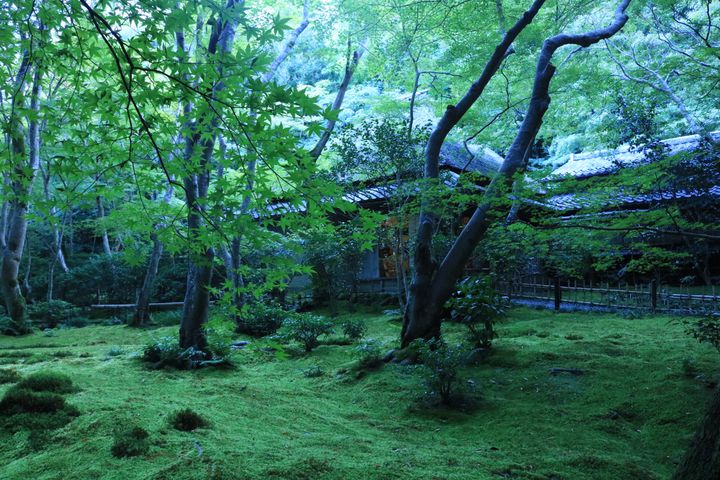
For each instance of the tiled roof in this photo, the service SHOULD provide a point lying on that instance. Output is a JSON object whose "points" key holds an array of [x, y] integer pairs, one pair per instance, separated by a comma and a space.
{"points": [[569, 201], [603, 162], [455, 156]]}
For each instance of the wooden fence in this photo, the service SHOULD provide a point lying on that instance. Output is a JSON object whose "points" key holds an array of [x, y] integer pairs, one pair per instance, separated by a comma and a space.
{"points": [[651, 296]]}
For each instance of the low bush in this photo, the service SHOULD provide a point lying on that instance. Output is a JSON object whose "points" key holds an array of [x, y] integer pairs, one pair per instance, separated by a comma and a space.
{"points": [[18, 400], [477, 305], [705, 330], [8, 375], [130, 442], [314, 372], [260, 319], [354, 328], [75, 322], [47, 382], [187, 420], [166, 352], [369, 354], [306, 329], [51, 314], [168, 318], [162, 350], [442, 364], [115, 352], [219, 333]]}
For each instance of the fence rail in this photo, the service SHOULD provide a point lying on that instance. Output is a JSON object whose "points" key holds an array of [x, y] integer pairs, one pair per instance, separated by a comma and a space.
{"points": [[654, 297], [551, 293]]}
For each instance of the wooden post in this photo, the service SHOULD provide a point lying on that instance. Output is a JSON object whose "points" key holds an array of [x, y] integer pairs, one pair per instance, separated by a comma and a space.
{"points": [[653, 295], [558, 294]]}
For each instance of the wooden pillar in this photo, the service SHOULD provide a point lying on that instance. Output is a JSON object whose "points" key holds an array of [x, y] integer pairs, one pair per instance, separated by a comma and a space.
{"points": [[558, 294], [653, 295]]}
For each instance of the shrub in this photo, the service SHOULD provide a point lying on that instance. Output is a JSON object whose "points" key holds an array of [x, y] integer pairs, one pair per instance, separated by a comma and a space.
{"points": [[260, 319], [705, 330], [442, 365], [477, 306], [18, 400], [187, 420], [130, 442], [369, 355], [47, 382], [219, 335], [75, 322], [314, 372], [306, 328], [115, 351], [8, 376], [166, 352], [354, 328], [164, 349], [169, 318], [52, 313]]}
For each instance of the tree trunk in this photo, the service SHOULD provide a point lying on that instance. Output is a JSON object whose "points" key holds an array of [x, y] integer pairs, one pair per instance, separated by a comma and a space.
{"points": [[351, 64], [432, 285], [142, 311], [25, 170], [702, 459], [101, 216], [202, 139], [289, 45]]}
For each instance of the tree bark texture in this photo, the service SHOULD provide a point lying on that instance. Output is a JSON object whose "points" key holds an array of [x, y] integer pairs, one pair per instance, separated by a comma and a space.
{"points": [[25, 166], [197, 295], [702, 459], [432, 285]]}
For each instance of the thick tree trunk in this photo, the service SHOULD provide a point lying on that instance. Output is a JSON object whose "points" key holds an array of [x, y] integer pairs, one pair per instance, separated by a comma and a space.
{"points": [[702, 459], [25, 168], [432, 285], [421, 311]]}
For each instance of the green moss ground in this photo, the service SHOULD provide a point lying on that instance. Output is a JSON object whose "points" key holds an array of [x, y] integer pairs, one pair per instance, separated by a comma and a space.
{"points": [[629, 417]]}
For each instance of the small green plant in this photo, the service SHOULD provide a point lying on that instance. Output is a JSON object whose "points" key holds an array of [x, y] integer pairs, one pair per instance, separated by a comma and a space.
{"points": [[260, 319], [162, 350], [47, 382], [169, 318], [75, 322], [705, 330], [9, 375], [369, 355], [306, 329], [314, 372], [19, 400], [219, 333], [130, 442], [442, 364], [51, 314], [477, 305], [186, 420], [354, 328], [115, 351], [690, 368]]}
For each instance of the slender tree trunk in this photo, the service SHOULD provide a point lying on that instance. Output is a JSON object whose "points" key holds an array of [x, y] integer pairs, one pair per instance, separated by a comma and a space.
{"points": [[142, 309], [202, 140], [289, 45], [351, 64], [432, 285], [702, 459], [101, 217]]}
